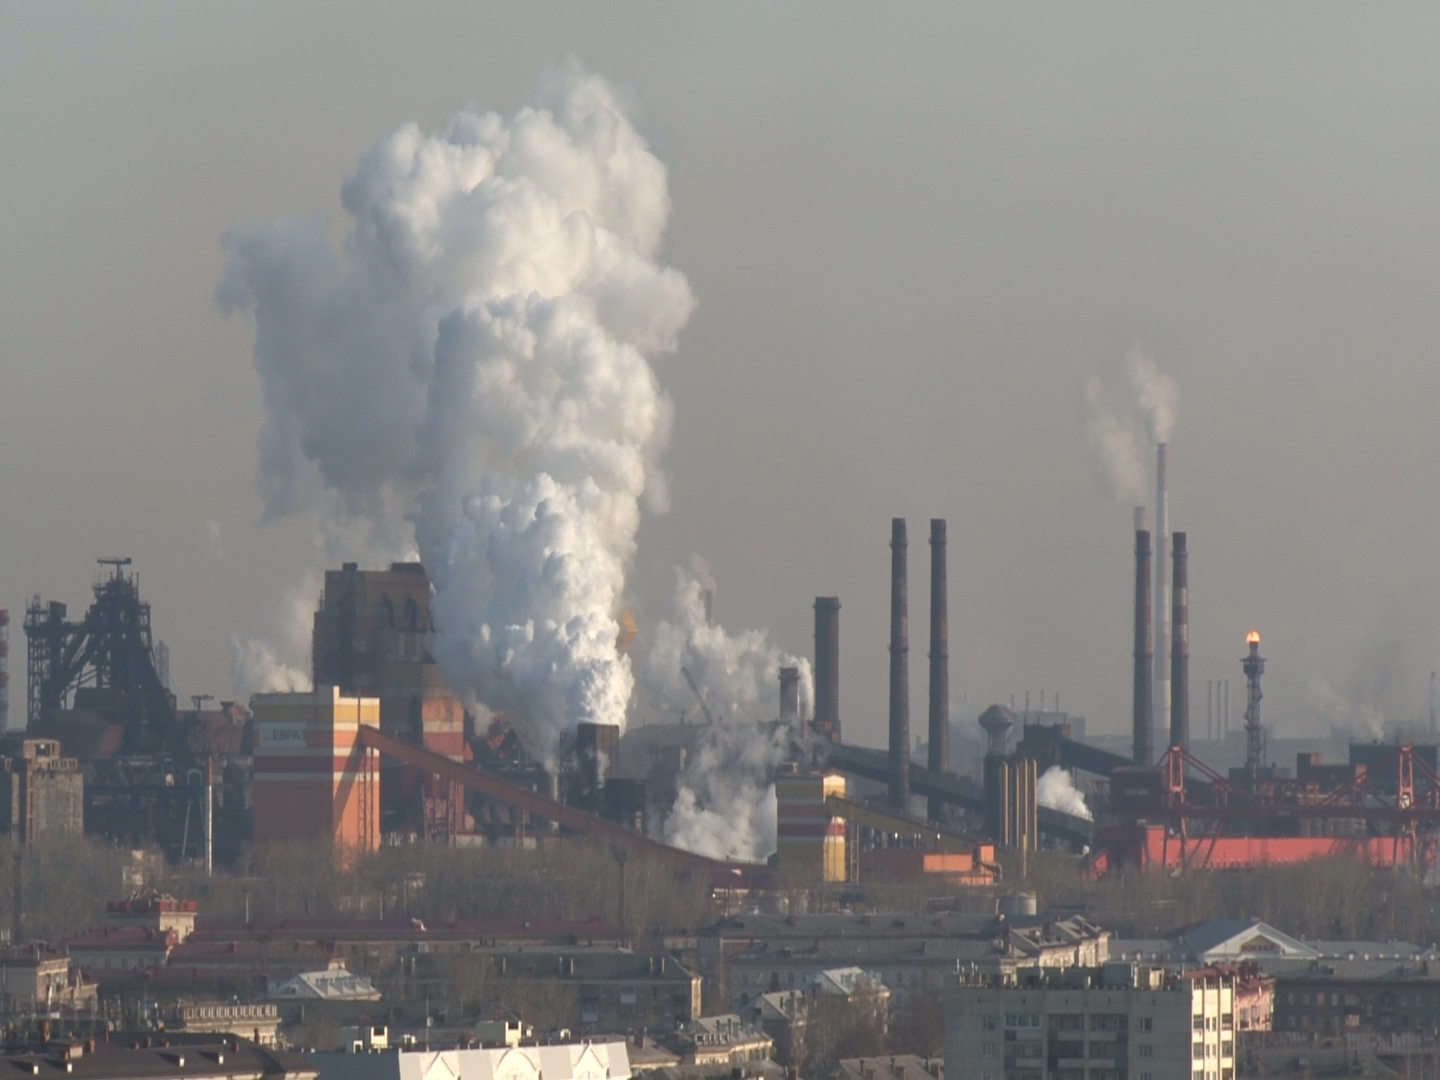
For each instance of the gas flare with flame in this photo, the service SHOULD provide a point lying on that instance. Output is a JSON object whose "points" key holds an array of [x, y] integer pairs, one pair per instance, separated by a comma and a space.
{"points": [[1253, 637]]}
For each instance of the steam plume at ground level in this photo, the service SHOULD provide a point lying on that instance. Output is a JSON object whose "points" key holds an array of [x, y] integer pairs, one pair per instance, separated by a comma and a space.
{"points": [[725, 797], [725, 801], [1057, 791]]}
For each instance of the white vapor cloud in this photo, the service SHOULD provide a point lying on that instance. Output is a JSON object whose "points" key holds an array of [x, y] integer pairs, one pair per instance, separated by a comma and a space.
{"points": [[476, 361], [1121, 425]]}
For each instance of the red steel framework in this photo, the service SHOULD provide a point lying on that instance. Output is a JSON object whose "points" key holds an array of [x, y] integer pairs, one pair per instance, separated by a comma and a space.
{"points": [[1210, 821]]}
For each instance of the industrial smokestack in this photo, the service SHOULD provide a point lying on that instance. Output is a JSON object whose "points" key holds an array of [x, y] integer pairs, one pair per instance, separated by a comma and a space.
{"points": [[827, 667], [1142, 728], [1161, 627], [790, 695], [707, 597], [1253, 666], [1180, 647], [899, 670], [939, 758]]}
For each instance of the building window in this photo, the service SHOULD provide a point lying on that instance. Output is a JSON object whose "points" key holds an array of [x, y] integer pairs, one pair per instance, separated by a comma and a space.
{"points": [[987, 1023], [987, 1049], [1198, 1053], [1146, 1050], [1144, 1023]]}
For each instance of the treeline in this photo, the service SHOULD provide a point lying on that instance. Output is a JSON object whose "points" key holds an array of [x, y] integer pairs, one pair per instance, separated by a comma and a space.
{"points": [[1333, 898], [567, 880]]}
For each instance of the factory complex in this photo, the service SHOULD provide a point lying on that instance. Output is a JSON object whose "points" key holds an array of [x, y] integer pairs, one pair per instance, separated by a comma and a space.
{"points": [[382, 751]]}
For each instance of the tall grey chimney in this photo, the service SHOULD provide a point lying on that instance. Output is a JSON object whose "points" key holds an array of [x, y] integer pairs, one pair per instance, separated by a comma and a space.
{"points": [[827, 668], [939, 733], [1142, 719], [899, 670], [1161, 626], [1180, 647]]}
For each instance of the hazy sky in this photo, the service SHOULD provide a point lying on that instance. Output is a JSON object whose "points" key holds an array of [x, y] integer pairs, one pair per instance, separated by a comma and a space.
{"points": [[913, 236]]}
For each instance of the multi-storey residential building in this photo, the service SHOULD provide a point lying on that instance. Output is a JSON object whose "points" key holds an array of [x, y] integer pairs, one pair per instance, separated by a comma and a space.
{"points": [[34, 976], [1343, 996], [1114, 1022]]}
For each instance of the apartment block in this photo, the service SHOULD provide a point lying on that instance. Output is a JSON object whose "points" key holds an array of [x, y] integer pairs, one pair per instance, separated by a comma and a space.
{"points": [[1114, 1022]]}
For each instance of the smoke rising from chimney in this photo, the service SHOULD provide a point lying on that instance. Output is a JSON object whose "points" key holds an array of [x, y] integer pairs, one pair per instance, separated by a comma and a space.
{"points": [[1120, 425], [477, 361], [738, 674]]}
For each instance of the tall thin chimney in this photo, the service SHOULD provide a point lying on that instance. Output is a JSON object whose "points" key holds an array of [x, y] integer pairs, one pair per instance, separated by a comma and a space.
{"points": [[1161, 626], [827, 667], [899, 670], [939, 758], [789, 695], [1142, 730], [1180, 647]]}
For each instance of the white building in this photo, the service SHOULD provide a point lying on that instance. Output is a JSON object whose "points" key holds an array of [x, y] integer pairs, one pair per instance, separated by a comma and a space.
{"points": [[573, 1061], [1105, 1023], [335, 983]]}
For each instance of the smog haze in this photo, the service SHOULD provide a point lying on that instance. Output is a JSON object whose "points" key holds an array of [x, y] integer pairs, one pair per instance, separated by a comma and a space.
{"points": [[914, 240]]}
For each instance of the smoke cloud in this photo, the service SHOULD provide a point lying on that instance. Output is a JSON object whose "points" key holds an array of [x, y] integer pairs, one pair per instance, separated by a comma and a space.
{"points": [[725, 806], [738, 675], [1115, 445], [725, 802], [1120, 425], [1156, 396], [278, 660], [1057, 791], [477, 362]]}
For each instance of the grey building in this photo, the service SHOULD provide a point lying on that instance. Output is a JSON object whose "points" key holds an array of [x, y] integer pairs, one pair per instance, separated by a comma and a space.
{"points": [[42, 792], [1116, 1022]]}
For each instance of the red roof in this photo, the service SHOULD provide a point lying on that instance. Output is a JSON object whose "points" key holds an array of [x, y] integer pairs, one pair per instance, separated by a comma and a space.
{"points": [[122, 938], [231, 952], [317, 929], [151, 902]]}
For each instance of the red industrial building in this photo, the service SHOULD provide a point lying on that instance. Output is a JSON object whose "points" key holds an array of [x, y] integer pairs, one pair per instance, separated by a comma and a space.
{"points": [[371, 639]]}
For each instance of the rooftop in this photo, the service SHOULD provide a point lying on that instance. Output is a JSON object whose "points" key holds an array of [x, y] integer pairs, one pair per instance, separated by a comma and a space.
{"points": [[407, 929], [145, 1055], [122, 938]]}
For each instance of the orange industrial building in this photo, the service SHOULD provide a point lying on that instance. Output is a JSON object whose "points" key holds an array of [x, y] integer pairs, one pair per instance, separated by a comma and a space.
{"points": [[371, 637], [977, 867], [313, 778]]}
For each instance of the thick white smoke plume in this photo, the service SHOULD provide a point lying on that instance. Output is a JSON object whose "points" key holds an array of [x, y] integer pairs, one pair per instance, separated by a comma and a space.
{"points": [[738, 675], [1121, 425], [1057, 791], [725, 802], [476, 361], [726, 799]]}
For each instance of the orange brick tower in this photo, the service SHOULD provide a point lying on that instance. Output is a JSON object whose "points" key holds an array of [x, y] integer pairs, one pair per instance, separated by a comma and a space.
{"points": [[371, 637], [312, 778]]}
